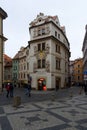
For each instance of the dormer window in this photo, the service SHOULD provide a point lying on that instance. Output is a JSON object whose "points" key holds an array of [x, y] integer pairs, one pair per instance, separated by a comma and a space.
{"points": [[39, 20]]}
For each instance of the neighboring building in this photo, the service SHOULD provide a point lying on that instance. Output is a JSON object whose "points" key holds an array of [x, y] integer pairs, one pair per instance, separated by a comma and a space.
{"points": [[71, 66], [78, 71], [3, 15], [23, 65], [7, 69], [15, 69], [84, 50], [49, 53]]}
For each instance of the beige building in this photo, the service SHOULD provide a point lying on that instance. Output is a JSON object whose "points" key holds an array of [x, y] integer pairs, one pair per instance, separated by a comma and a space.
{"points": [[23, 65], [49, 53], [3, 15]]}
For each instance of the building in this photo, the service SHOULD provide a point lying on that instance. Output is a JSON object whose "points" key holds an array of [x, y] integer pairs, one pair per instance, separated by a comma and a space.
{"points": [[3, 15], [84, 50], [49, 53], [78, 71], [7, 69], [15, 69], [71, 67], [23, 65]]}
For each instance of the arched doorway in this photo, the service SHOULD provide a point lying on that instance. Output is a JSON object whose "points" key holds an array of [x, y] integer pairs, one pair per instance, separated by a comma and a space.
{"points": [[41, 83]]}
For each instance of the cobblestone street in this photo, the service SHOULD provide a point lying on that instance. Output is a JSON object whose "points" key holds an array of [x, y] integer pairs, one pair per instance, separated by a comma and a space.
{"points": [[68, 113]]}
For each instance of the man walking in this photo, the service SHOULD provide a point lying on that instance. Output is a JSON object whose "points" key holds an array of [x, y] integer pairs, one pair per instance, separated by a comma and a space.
{"points": [[29, 84], [7, 89]]}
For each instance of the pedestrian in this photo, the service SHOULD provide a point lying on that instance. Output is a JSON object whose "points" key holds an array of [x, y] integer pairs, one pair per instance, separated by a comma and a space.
{"points": [[85, 88], [11, 90], [8, 89], [29, 84], [26, 88]]}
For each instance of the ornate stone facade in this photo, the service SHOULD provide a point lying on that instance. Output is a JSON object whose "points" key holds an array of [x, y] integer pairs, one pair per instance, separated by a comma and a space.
{"points": [[49, 53]]}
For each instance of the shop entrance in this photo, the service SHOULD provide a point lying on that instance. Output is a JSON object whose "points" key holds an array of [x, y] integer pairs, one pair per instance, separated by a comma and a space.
{"points": [[41, 84], [57, 83]]}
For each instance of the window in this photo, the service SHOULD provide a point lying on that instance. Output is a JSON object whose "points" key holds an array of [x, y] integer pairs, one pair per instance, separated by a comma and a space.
{"points": [[24, 75], [39, 32], [24, 67], [57, 63], [59, 36], [78, 66], [78, 71], [15, 67], [41, 47], [41, 63], [55, 33], [43, 31], [15, 75], [27, 66], [78, 77], [39, 20], [58, 48]]}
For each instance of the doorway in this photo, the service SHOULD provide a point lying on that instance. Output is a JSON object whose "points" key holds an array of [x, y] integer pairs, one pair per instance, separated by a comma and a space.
{"points": [[57, 83], [41, 83]]}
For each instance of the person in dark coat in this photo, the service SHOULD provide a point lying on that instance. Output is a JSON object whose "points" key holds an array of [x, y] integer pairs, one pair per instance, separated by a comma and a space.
{"points": [[8, 89], [11, 90], [85, 88], [29, 84]]}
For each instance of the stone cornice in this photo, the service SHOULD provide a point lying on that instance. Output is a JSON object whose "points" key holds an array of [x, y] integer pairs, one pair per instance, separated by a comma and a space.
{"points": [[3, 14], [4, 38]]}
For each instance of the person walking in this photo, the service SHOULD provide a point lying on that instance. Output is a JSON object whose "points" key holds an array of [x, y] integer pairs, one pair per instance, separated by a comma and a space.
{"points": [[8, 89], [85, 88], [11, 90], [29, 84]]}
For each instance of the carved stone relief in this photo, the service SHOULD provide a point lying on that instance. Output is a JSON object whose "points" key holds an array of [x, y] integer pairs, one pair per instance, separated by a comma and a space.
{"points": [[41, 55], [47, 66]]}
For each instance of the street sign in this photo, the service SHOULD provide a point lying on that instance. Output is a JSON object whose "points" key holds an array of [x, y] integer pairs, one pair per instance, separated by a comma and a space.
{"points": [[85, 72], [85, 77]]}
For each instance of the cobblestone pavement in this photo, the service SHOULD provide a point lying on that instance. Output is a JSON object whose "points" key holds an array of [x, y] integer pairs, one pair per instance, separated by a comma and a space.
{"points": [[60, 114]]}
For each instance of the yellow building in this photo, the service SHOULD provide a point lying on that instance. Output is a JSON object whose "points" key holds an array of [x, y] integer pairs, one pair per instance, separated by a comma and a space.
{"points": [[78, 71]]}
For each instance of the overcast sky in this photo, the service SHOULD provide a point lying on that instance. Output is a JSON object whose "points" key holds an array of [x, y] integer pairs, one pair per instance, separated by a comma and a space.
{"points": [[71, 13]]}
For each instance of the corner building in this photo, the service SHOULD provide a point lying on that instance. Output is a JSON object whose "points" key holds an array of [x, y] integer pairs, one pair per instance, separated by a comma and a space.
{"points": [[48, 54]]}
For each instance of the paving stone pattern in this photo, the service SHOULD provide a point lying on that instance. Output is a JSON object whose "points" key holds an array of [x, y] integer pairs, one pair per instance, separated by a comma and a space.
{"points": [[65, 114]]}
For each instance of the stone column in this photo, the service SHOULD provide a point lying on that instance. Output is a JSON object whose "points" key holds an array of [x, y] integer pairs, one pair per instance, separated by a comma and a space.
{"points": [[3, 15]]}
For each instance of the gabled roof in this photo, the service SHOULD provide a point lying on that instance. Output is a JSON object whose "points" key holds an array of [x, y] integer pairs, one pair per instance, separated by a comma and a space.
{"points": [[16, 56], [6, 57], [7, 61]]}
